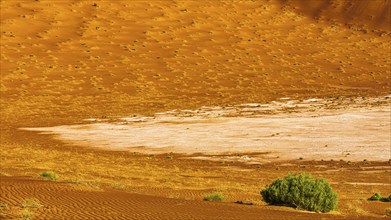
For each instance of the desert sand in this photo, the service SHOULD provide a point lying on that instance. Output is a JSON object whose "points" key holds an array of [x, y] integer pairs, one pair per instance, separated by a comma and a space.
{"points": [[265, 66]]}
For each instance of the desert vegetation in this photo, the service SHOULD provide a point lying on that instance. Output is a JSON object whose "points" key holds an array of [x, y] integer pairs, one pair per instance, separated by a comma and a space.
{"points": [[31, 203], [301, 191], [379, 197], [50, 175], [3, 209], [28, 208], [215, 197]]}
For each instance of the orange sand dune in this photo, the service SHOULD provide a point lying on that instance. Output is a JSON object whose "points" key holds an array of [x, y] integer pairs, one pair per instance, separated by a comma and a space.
{"points": [[375, 14], [64, 201], [121, 57]]}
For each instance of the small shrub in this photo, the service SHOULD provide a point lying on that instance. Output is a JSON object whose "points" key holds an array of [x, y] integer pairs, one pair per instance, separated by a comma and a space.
{"points": [[378, 197], [215, 197], [375, 197], [49, 175], [388, 212], [301, 191], [31, 203]]}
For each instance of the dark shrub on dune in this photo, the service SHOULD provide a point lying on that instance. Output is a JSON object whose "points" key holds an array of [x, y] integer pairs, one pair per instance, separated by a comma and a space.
{"points": [[378, 197]]}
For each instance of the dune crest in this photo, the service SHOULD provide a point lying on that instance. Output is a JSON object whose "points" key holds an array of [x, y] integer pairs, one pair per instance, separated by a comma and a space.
{"points": [[373, 14]]}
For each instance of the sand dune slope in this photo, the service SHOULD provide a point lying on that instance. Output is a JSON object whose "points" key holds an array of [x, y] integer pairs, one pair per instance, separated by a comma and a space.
{"points": [[111, 57], [64, 201], [374, 14]]}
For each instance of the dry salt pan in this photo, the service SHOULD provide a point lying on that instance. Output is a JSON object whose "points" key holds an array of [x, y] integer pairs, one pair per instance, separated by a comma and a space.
{"points": [[312, 131]]}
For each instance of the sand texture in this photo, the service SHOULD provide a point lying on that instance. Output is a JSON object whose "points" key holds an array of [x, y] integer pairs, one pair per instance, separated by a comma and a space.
{"points": [[143, 107]]}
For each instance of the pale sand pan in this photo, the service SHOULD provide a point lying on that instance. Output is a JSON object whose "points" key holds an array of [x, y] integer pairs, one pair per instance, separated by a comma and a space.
{"points": [[347, 133]]}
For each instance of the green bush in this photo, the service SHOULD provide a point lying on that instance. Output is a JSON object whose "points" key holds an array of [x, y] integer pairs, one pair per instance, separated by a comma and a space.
{"points": [[216, 197], [378, 197], [301, 191], [49, 175], [375, 197]]}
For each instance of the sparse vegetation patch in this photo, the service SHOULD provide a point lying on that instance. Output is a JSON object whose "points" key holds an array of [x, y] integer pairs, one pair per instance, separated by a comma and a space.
{"points": [[26, 214], [215, 197], [49, 175], [31, 203]]}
